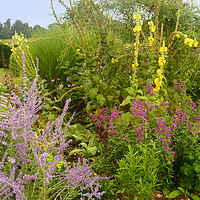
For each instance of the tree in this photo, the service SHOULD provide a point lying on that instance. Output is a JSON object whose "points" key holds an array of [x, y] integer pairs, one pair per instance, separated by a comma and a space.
{"points": [[6, 29], [20, 27]]}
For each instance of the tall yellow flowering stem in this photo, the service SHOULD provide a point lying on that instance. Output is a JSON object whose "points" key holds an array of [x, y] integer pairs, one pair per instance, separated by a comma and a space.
{"points": [[137, 30], [161, 62], [152, 29]]}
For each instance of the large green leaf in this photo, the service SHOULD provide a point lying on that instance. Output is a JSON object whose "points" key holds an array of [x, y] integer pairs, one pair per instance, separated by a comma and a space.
{"points": [[127, 101], [93, 93], [101, 99], [175, 194]]}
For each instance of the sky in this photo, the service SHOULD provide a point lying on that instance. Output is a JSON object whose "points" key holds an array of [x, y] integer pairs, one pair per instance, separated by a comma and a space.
{"points": [[32, 11]]}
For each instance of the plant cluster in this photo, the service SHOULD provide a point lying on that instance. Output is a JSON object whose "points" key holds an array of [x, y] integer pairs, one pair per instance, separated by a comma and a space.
{"points": [[129, 68], [28, 157]]}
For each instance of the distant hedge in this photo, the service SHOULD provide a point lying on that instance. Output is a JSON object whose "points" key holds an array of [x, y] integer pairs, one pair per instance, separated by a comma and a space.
{"points": [[6, 52]]}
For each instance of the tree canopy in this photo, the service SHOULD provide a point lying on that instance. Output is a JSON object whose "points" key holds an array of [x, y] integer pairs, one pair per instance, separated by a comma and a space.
{"points": [[7, 30]]}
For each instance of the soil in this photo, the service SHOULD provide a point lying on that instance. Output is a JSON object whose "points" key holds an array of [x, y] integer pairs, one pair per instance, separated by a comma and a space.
{"points": [[159, 196]]}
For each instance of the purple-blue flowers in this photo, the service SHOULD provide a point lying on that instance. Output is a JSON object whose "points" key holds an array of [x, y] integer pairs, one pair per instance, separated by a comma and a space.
{"points": [[25, 147]]}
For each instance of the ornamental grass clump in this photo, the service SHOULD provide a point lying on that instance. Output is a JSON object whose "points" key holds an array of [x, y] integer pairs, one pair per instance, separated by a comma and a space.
{"points": [[29, 159]]}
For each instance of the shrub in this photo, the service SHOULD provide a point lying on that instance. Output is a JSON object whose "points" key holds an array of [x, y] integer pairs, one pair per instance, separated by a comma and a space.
{"points": [[5, 52]]}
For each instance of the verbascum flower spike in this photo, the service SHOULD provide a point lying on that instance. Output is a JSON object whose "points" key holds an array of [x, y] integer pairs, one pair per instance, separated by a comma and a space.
{"points": [[137, 30], [161, 62]]}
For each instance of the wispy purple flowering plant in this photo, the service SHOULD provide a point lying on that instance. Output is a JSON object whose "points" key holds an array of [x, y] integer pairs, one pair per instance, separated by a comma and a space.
{"points": [[25, 154]]}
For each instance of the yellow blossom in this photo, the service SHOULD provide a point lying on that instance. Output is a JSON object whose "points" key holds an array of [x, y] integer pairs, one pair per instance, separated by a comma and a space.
{"points": [[163, 49], [151, 40], [137, 28], [136, 43], [161, 61], [156, 89], [138, 16], [159, 72], [160, 76], [135, 65], [178, 35], [189, 42], [152, 28], [113, 60], [195, 43], [158, 82], [136, 53], [60, 164]]}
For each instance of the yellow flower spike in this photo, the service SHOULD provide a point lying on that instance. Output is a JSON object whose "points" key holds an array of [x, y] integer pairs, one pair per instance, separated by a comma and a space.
{"points": [[133, 66], [136, 53]]}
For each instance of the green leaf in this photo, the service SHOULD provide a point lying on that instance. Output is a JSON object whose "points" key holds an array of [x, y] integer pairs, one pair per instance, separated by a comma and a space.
{"points": [[139, 91], [126, 101], [93, 93], [117, 92], [196, 166], [76, 151], [175, 194], [84, 145], [92, 150], [101, 99], [131, 91], [110, 97], [126, 117], [181, 189], [165, 191], [194, 197], [91, 141]]}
